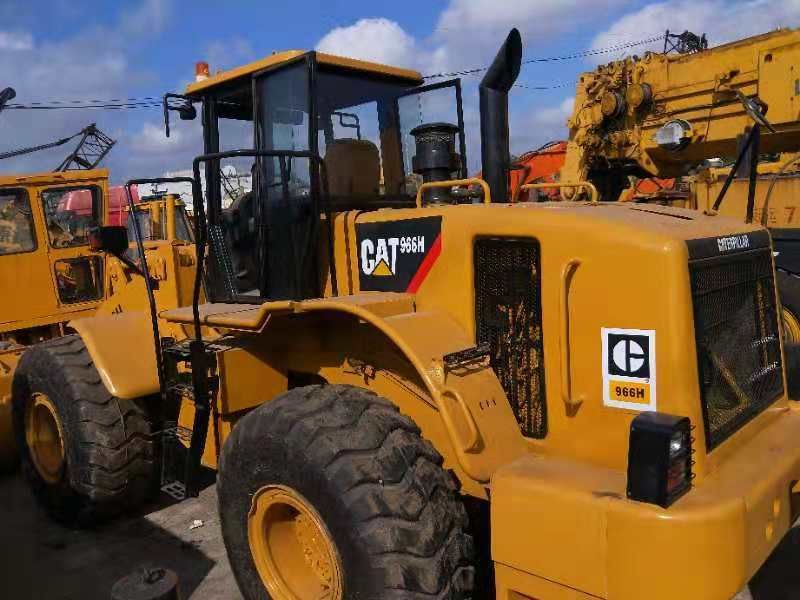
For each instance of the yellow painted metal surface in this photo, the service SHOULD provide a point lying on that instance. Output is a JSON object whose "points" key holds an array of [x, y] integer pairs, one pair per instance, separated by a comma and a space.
{"points": [[123, 321], [50, 178], [589, 536], [292, 548], [278, 58], [41, 274], [702, 89], [105, 336], [782, 211], [44, 438]]}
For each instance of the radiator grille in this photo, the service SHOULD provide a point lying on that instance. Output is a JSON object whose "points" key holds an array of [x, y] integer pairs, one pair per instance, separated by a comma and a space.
{"points": [[508, 317], [738, 348]]}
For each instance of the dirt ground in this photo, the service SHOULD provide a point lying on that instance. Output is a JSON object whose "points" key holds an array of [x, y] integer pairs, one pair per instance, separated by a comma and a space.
{"points": [[42, 561]]}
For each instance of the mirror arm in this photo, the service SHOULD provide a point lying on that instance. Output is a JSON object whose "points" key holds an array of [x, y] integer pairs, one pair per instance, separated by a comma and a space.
{"points": [[186, 110]]}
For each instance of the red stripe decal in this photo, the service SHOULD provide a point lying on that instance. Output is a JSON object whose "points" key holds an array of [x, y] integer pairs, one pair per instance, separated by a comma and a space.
{"points": [[425, 267]]}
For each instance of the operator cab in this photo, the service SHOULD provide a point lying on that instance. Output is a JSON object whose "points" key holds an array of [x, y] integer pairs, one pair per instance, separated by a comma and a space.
{"points": [[330, 134]]}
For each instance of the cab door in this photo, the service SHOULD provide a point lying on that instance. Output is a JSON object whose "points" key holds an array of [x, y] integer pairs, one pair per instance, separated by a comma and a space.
{"points": [[24, 274], [69, 212]]}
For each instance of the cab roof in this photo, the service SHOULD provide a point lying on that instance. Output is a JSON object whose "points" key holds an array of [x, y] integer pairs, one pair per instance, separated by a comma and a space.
{"points": [[48, 178], [278, 58]]}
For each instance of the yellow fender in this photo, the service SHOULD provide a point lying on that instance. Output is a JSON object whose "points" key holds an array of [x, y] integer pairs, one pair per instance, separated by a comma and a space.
{"points": [[121, 347], [480, 425], [480, 431]]}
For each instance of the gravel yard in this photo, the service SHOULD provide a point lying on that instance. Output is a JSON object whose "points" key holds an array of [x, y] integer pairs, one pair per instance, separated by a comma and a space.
{"points": [[43, 561]]}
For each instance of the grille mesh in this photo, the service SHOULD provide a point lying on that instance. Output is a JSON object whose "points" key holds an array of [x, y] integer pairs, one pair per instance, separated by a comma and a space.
{"points": [[738, 348], [508, 317]]}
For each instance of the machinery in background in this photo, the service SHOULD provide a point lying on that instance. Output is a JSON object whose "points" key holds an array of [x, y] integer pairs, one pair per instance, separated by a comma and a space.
{"points": [[92, 148], [649, 129], [48, 271]]}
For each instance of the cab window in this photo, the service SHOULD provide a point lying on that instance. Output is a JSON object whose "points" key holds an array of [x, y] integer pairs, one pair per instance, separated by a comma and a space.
{"points": [[69, 215], [16, 223], [79, 279]]}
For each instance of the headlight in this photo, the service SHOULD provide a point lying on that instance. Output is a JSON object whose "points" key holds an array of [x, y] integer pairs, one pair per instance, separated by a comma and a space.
{"points": [[674, 135]]}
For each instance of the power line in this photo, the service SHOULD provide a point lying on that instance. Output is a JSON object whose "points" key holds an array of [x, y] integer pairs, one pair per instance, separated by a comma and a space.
{"points": [[156, 102], [84, 106], [543, 87], [109, 101], [582, 54]]}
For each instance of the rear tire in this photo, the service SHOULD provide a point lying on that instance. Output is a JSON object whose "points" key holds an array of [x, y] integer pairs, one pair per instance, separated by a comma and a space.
{"points": [[789, 293], [109, 461], [387, 506]]}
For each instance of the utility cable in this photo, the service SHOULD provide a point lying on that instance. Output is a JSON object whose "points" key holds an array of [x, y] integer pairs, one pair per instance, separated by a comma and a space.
{"points": [[582, 54], [157, 102]]}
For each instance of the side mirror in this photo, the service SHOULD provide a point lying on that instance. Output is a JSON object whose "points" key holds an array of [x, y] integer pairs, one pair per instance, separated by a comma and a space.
{"points": [[110, 238], [184, 107]]}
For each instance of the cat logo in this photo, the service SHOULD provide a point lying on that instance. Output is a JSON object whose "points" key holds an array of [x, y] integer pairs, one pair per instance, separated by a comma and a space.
{"points": [[396, 256], [629, 368], [379, 257]]}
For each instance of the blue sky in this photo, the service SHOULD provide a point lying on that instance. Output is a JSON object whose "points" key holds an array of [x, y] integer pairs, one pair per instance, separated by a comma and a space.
{"points": [[74, 49]]}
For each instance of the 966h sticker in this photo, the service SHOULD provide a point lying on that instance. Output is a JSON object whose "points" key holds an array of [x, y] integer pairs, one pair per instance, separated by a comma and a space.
{"points": [[629, 368], [396, 256]]}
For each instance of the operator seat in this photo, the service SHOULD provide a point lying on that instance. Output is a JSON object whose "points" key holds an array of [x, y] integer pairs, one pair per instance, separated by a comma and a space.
{"points": [[353, 167]]}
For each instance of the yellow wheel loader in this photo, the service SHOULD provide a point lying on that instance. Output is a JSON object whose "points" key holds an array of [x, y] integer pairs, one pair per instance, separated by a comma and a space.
{"points": [[51, 276], [412, 390], [46, 271]]}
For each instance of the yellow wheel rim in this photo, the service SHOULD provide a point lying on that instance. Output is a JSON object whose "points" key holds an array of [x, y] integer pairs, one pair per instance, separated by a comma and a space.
{"points": [[292, 548], [44, 437], [791, 327]]}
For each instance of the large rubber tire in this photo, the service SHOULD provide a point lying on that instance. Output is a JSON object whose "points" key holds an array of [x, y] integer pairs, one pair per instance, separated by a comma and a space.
{"points": [[392, 511], [110, 464], [789, 292], [791, 353]]}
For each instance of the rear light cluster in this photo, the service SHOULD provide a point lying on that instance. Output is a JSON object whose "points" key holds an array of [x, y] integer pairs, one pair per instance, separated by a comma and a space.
{"points": [[659, 458]]}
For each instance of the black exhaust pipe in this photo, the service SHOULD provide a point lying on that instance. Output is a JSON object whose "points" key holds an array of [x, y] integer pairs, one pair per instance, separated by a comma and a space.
{"points": [[494, 88]]}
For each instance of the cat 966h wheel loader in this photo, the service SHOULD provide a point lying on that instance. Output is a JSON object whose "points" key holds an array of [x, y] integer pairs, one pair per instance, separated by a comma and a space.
{"points": [[412, 392]]}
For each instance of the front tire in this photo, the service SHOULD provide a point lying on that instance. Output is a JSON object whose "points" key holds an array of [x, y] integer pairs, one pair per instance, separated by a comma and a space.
{"points": [[86, 454], [329, 492]]}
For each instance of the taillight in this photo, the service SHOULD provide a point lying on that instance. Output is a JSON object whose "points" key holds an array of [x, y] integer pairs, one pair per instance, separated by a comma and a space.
{"points": [[659, 458]]}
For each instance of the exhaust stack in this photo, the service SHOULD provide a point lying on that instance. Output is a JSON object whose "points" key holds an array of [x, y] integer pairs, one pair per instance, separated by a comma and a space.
{"points": [[494, 88]]}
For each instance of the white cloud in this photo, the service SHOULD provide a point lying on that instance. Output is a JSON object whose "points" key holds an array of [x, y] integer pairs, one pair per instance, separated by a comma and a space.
{"points": [[534, 126], [93, 63], [16, 40], [722, 20], [151, 138], [377, 40], [150, 153], [150, 17], [469, 32], [226, 54]]}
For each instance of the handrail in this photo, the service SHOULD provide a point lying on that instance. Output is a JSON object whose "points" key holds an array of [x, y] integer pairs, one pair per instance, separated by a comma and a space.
{"points": [[487, 196], [588, 185], [566, 379]]}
